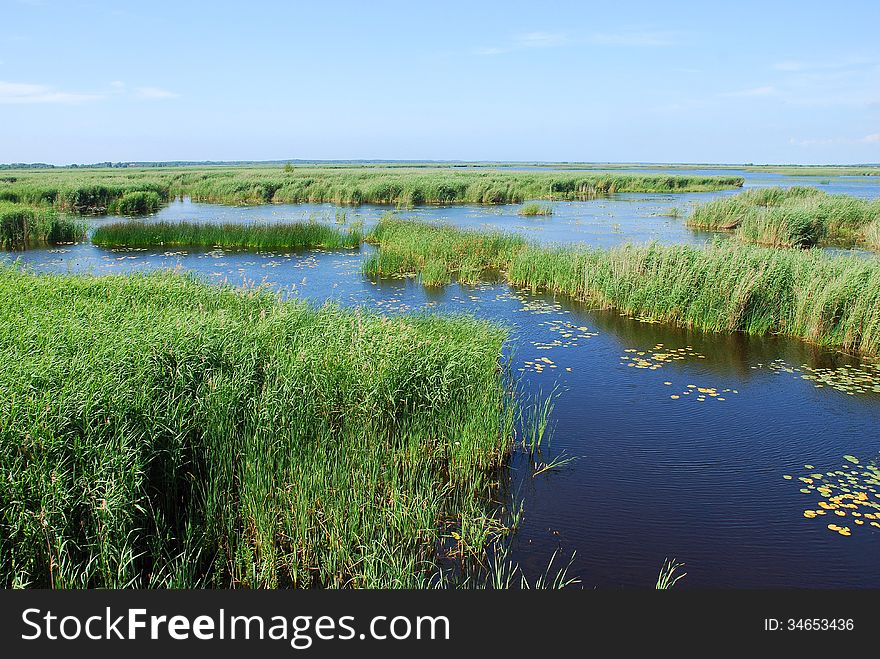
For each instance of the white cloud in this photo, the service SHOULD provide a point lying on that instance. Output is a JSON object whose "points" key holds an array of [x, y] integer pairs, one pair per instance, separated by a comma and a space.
{"points": [[873, 138], [635, 38], [789, 65], [766, 90], [527, 40], [23, 93], [20, 93], [154, 93], [541, 39], [813, 142], [491, 51]]}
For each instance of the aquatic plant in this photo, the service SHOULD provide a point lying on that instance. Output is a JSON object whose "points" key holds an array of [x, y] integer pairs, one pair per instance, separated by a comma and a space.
{"points": [[532, 209], [790, 217], [668, 576], [833, 301], [848, 495], [437, 252], [266, 237], [22, 225], [871, 235], [135, 203], [156, 431], [96, 190]]}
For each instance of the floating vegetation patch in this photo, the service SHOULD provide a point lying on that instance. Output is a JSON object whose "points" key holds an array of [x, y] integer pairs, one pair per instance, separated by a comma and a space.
{"points": [[538, 365], [569, 335], [393, 305], [848, 495], [658, 357], [540, 307], [702, 394], [848, 379]]}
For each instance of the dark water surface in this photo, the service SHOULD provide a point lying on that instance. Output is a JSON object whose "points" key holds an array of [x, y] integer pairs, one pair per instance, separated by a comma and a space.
{"points": [[663, 469]]}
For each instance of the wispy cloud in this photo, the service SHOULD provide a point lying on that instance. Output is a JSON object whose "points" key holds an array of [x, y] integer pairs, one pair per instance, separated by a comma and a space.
{"points": [[525, 41], [633, 38], [766, 90], [154, 93], [813, 142], [541, 39], [873, 138], [13, 93], [789, 65], [21, 93], [843, 81], [488, 51], [622, 38]]}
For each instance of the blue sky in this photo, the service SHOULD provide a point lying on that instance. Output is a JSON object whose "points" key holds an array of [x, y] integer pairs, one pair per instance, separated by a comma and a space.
{"points": [[783, 82]]}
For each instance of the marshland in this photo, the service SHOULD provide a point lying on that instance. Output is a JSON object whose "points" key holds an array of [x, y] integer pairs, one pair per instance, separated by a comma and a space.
{"points": [[404, 377]]}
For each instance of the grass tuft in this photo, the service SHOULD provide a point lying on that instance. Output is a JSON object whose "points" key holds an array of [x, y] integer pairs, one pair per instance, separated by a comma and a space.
{"points": [[790, 217], [22, 226], [533, 209], [266, 237]]}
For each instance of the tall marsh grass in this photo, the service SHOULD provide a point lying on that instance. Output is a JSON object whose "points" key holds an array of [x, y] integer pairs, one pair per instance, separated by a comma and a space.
{"points": [[22, 225], [533, 209], [832, 301], [790, 217], [156, 431], [135, 203], [88, 192], [97, 191], [437, 252], [266, 237], [413, 187]]}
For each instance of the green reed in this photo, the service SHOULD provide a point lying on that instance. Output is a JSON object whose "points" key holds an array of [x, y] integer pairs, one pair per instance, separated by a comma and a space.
{"points": [[437, 252], [102, 190], [156, 431], [790, 217], [263, 237], [22, 225], [533, 209], [833, 301]]}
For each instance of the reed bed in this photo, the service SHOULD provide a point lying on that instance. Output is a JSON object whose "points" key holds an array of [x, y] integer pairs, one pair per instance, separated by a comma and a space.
{"points": [[91, 192], [141, 202], [22, 225], [872, 235], [437, 252], [790, 217], [411, 187], [156, 431], [258, 237], [533, 209], [103, 190], [832, 301]]}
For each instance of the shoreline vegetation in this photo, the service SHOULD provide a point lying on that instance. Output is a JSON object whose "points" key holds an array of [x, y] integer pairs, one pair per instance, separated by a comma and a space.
{"points": [[22, 226], [830, 301], [133, 192], [158, 431], [533, 209], [269, 237], [792, 217]]}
